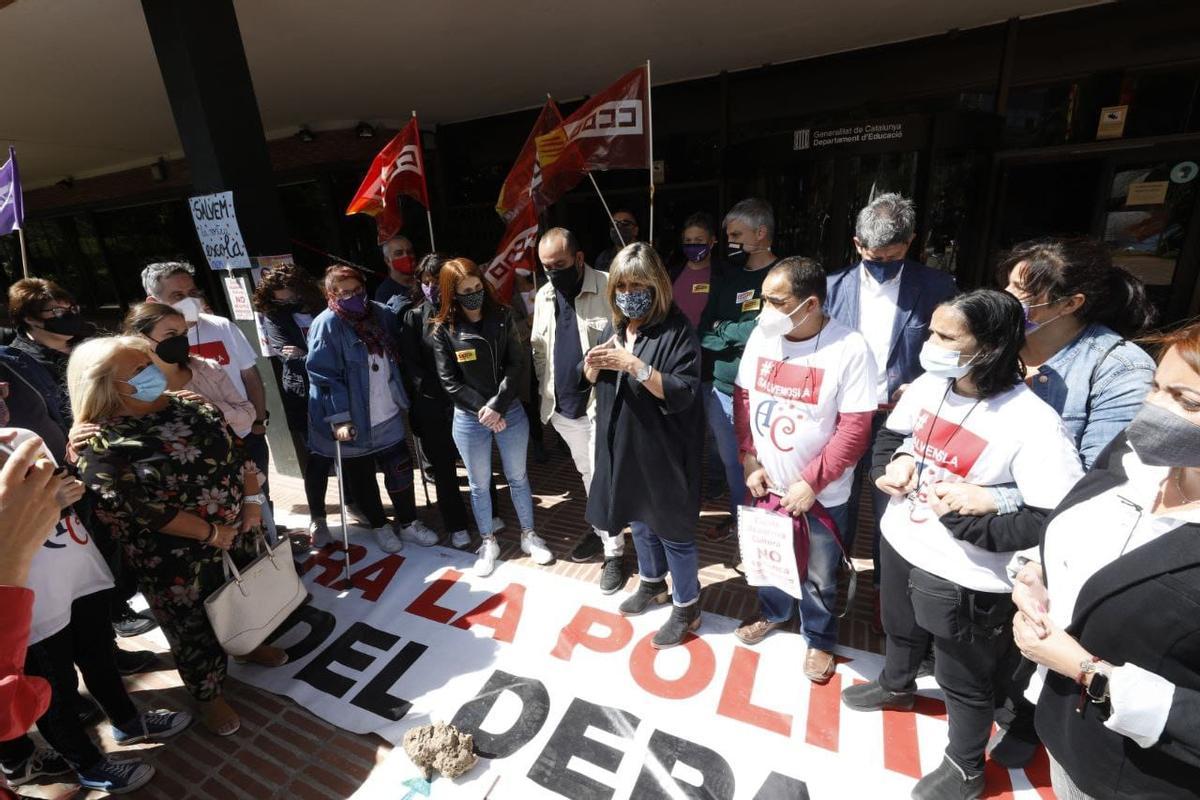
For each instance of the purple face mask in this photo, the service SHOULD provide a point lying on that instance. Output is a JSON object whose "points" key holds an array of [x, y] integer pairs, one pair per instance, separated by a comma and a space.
{"points": [[430, 290], [696, 252], [355, 305]]}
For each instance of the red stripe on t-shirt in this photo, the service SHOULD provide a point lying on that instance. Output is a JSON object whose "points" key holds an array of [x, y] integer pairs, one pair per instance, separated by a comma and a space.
{"points": [[786, 381]]}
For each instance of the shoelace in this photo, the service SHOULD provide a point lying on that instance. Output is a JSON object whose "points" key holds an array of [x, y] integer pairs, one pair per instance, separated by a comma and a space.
{"points": [[157, 719], [120, 770]]}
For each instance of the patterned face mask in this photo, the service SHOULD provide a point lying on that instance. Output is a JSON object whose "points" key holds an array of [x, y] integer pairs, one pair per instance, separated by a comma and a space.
{"points": [[635, 304]]}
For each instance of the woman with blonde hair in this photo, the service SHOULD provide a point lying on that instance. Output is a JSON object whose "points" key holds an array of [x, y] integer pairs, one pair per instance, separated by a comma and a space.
{"points": [[649, 431], [175, 488]]}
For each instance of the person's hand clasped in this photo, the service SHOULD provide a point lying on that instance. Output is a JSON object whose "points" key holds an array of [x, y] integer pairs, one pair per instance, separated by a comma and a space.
{"points": [[1056, 650], [69, 491], [611, 355], [251, 517], [492, 419], [225, 536], [1031, 598], [758, 481], [900, 477], [798, 499], [967, 499], [80, 435]]}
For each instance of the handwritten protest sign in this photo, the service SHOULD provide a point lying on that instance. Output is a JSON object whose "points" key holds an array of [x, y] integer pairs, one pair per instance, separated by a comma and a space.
{"points": [[217, 226], [768, 556]]}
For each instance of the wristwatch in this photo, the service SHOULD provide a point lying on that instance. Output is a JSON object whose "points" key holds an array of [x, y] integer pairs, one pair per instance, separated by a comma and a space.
{"points": [[643, 373], [255, 499], [1097, 688]]}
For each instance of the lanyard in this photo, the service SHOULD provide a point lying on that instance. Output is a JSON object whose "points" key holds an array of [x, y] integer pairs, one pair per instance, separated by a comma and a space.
{"points": [[933, 424]]}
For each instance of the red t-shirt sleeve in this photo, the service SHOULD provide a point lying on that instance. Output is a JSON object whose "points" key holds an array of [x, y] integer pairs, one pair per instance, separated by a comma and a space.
{"points": [[741, 422], [851, 438], [22, 699]]}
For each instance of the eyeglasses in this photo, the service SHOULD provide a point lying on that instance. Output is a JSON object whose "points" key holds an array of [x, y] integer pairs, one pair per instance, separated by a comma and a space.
{"points": [[60, 311], [346, 294]]}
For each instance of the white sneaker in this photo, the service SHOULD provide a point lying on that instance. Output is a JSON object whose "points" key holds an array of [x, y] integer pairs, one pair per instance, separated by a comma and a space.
{"points": [[535, 547], [460, 539], [497, 525], [319, 531], [418, 532], [488, 552], [386, 538]]}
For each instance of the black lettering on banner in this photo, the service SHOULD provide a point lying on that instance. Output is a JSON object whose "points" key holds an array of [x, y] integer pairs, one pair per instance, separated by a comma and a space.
{"points": [[375, 697], [570, 739], [717, 782], [320, 624], [782, 787], [535, 708], [317, 673]]}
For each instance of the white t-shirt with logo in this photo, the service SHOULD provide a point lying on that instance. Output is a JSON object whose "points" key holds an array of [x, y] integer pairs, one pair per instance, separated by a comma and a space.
{"points": [[1011, 438], [796, 391], [218, 339], [66, 567], [381, 402]]}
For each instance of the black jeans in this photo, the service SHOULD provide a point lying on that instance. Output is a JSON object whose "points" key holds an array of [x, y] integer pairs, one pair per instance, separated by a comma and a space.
{"points": [[968, 671], [879, 500], [88, 642]]}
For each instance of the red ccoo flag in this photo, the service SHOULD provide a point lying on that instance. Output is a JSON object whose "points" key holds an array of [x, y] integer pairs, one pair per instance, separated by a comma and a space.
{"points": [[524, 181], [518, 250], [398, 169], [610, 131]]}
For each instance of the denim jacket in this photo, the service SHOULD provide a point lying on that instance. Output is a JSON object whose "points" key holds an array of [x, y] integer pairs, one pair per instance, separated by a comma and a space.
{"points": [[1096, 384], [339, 383]]}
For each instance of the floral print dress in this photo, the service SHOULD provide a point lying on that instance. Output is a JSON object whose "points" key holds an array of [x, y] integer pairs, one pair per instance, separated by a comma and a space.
{"points": [[147, 469]]}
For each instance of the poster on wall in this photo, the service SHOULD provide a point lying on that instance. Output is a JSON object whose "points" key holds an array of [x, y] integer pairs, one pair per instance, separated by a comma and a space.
{"points": [[217, 226]]}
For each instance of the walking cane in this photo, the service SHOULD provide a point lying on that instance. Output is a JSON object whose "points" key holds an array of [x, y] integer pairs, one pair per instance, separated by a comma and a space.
{"points": [[421, 467], [337, 446]]}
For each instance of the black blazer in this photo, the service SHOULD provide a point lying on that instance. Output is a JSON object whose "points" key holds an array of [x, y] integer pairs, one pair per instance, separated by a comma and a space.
{"points": [[1142, 608]]}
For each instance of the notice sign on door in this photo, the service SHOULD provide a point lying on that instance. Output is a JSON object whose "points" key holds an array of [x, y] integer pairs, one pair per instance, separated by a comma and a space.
{"points": [[217, 226], [1112, 122], [1147, 193]]}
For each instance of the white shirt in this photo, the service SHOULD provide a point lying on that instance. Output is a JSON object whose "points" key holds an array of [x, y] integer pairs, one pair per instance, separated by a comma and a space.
{"points": [[796, 391], [877, 305], [383, 405], [1141, 700], [303, 321], [66, 567], [1011, 438], [218, 339]]}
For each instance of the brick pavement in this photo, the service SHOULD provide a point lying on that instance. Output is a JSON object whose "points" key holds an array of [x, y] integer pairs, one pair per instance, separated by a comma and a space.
{"points": [[270, 756]]}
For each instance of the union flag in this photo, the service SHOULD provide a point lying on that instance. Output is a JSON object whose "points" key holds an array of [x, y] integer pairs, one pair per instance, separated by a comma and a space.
{"points": [[524, 182], [518, 250], [398, 169]]}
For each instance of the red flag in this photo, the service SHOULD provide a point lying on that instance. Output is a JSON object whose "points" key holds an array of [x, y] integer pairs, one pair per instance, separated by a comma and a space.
{"points": [[610, 131], [524, 179], [398, 169], [518, 250]]}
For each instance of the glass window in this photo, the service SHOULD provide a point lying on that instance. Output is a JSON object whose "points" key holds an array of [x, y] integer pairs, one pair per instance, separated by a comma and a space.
{"points": [[1146, 216]]}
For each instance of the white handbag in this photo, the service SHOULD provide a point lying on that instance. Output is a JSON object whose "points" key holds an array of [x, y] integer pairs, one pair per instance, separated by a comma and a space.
{"points": [[254, 601]]}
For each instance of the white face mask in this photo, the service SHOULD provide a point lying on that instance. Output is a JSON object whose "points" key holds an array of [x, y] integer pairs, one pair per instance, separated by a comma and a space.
{"points": [[943, 363], [774, 323], [190, 308]]}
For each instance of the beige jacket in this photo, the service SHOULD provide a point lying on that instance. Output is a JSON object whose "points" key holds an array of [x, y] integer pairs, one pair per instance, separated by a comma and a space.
{"points": [[593, 313]]}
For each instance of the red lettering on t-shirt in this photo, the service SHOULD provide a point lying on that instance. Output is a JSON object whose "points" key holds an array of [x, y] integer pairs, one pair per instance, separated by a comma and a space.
{"points": [[214, 350], [946, 444], [789, 381]]}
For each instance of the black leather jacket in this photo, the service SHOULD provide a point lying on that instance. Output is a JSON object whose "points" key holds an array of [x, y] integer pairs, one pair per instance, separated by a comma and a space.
{"points": [[482, 366]]}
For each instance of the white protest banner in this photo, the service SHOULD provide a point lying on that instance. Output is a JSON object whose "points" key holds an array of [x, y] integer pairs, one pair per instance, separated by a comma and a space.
{"points": [[768, 553], [216, 225], [239, 298], [567, 698]]}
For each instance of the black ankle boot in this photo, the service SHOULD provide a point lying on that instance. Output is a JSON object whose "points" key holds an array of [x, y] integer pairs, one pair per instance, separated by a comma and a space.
{"points": [[949, 782], [683, 619], [647, 592]]}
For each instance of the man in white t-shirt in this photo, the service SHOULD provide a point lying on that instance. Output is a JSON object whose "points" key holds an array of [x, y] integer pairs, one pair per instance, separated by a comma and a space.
{"points": [[210, 336], [803, 405]]}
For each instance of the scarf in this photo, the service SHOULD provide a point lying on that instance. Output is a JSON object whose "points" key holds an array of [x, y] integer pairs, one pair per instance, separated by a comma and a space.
{"points": [[367, 330]]}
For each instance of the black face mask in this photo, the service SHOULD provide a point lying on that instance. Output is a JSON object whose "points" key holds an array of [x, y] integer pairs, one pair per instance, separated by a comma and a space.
{"points": [[565, 281], [66, 325], [736, 254], [293, 307], [472, 301], [173, 349]]}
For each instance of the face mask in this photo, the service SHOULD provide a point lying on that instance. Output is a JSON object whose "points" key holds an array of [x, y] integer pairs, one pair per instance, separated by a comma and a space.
{"points": [[149, 384], [883, 271], [1164, 439], [355, 305], [292, 307], [774, 323], [736, 254], [564, 281], [943, 363], [635, 304], [190, 308], [173, 349], [403, 264], [696, 253], [626, 232], [1030, 325], [70, 324], [472, 301], [430, 290]]}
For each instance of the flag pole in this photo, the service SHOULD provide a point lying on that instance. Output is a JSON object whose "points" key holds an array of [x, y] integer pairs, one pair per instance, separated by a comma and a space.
{"points": [[428, 211], [24, 254], [650, 147], [604, 202]]}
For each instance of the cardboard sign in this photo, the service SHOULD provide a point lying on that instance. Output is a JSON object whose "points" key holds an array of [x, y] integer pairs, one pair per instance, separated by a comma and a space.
{"points": [[239, 298], [1112, 122], [217, 226], [1147, 193], [768, 554]]}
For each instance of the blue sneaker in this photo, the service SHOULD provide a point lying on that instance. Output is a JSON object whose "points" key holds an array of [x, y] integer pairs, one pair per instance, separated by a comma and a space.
{"points": [[116, 777], [153, 726]]}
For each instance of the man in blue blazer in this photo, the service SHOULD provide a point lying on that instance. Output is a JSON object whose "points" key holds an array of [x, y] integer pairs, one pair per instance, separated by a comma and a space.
{"points": [[889, 299]]}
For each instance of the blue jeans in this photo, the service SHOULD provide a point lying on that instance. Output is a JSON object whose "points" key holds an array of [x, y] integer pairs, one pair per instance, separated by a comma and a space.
{"points": [[718, 406], [817, 624], [658, 556], [474, 443]]}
